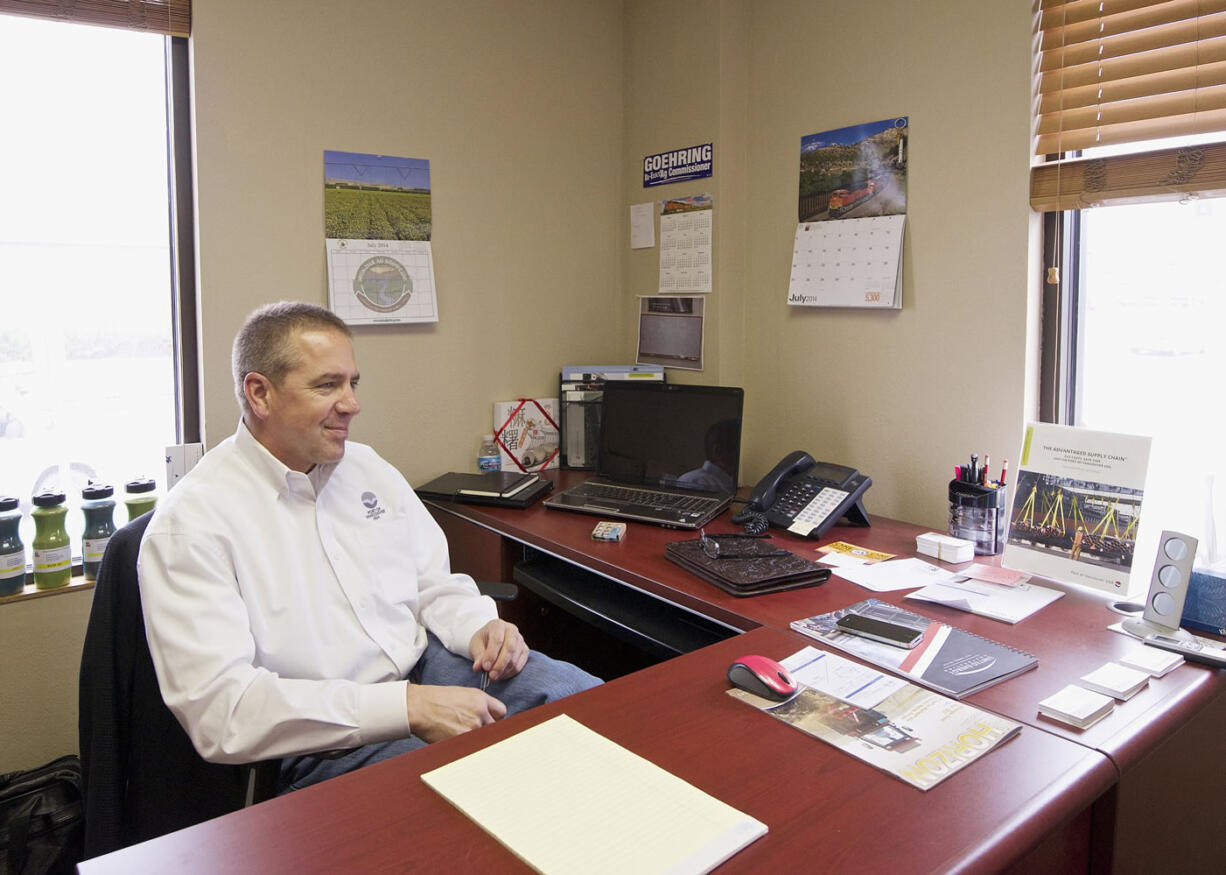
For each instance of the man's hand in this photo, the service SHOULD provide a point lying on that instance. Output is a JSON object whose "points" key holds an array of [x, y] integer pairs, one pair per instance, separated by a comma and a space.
{"points": [[437, 712], [498, 649]]}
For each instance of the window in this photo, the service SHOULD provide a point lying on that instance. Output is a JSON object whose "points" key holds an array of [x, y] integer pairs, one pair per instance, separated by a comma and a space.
{"points": [[1132, 328], [1150, 294], [89, 315]]}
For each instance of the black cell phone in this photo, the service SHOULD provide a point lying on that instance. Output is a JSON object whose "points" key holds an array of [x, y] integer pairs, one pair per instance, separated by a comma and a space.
{"points": [[880, 630]]}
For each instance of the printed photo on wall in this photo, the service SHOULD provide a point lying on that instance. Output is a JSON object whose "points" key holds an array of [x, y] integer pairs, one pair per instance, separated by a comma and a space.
{"points": [[854, 172], [851, 211], [671, 332], [377, 221]]}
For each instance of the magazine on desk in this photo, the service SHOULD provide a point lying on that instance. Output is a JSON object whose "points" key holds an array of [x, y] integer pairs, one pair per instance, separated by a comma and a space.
{"points": [[948, 659], [911, 733]]}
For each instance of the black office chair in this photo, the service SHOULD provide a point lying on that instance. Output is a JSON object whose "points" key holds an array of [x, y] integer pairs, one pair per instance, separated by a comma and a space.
{"points": [[141, 776]]}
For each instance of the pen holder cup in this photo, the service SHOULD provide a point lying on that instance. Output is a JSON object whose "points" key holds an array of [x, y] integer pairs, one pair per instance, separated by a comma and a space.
{"points": [[978, 514]]}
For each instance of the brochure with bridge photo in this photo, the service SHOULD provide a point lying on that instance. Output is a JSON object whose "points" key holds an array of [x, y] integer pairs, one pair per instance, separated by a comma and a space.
{"points": [[1077, 506]]}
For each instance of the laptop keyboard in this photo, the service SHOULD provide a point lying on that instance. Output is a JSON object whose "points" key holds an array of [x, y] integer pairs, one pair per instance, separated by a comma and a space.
{"points": [[644, 496]]}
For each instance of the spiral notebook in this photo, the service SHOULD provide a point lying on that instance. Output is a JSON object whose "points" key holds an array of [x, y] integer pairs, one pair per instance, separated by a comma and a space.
{"points": [[948, 659]]}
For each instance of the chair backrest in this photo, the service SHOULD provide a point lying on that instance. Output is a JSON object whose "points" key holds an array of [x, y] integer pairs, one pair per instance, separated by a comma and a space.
{"points": [[142, 777]]}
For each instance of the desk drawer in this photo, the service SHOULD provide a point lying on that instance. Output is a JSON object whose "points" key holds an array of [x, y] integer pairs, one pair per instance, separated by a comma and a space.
{"points": [[651, 627]]}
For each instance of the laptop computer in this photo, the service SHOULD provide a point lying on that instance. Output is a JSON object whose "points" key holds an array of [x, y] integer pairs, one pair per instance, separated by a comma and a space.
{"points": [[668, 454]]}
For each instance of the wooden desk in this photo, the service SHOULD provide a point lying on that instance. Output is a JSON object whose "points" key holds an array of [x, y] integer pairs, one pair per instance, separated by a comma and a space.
{"points": [[1022, 806], [1168, 743], [1051, 800]]}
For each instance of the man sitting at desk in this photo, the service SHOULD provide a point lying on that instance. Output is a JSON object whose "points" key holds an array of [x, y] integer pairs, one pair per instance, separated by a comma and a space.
{"points": [[298, 596]]}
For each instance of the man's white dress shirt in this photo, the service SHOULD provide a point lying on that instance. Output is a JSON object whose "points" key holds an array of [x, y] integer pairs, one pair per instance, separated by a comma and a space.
{"points": [[283, 610]]}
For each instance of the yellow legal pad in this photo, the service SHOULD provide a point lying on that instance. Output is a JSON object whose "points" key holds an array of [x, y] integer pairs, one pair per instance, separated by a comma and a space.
{"points": [[565, 799]]}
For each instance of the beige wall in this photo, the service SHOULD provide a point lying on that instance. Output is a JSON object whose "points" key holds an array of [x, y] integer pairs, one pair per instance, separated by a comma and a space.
{"points": [[685, 86], [535, 117], [42, 640], [517, 106], [901, 395]]}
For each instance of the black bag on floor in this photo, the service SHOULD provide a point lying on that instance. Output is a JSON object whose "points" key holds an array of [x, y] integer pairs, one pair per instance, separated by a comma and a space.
{"points": [[41, 825]]}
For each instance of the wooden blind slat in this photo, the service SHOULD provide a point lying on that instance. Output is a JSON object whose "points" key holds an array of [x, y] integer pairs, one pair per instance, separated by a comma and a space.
{"points": [[1134, 42], [1114, 72], [1159, 106], [1166, 174], [1165, 82], [1184, 57], [171, 17], [1145, 22], [1134, 132], [1054, 13]]}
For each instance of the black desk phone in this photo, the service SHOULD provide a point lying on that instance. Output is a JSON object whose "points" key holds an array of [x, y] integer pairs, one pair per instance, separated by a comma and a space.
{"points": [[806, 497]]}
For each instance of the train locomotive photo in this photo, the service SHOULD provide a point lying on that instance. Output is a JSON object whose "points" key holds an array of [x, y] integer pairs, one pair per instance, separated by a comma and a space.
{"points": [[843, 199]]}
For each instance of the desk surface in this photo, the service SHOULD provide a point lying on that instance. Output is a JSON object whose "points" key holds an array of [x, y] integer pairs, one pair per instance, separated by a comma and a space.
{"points": [[1036, 795], [818, 802], [1070, 637]]}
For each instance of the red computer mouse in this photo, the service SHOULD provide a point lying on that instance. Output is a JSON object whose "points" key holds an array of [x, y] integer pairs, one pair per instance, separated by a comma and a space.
{"points": [[763, 677]]}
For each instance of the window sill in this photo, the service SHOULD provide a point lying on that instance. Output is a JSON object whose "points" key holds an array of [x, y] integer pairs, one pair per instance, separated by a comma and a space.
{"points": [[76, 584]]}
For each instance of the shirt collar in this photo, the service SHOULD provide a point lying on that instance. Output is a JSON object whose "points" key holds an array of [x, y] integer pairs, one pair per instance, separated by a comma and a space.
{"points": [[274, 473]]}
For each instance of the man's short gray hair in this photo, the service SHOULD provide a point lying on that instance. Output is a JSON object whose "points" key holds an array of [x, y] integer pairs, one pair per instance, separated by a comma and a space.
{"points": [[264, 344]]}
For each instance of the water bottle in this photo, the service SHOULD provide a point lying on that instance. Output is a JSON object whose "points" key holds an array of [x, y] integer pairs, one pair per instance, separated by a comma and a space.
{"points": [[141, 496], [12, 551], [52, 552], [99, 509], [488, 457]]}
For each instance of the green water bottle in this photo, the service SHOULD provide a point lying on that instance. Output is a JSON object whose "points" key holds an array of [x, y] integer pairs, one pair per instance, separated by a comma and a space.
{"points": [[99, 509], [12, 551], [52, 552], [141, 496]]}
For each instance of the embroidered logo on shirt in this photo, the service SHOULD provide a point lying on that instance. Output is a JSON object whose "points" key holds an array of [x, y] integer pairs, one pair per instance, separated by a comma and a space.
{"points": [[372, 503]]}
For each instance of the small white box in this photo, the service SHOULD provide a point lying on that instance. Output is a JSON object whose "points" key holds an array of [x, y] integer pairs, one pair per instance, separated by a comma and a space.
{"points": [[1113, 679], [956, 549], [929, 544], [944, 547]]}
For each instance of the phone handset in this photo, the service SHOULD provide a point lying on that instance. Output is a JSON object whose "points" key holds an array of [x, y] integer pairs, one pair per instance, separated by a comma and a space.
{"points": [[806, 497], [752, 516], [763, 495]]}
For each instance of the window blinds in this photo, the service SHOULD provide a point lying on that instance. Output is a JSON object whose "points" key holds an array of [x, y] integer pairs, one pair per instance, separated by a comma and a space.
{"points": [[171, 17], [1114, 72]]}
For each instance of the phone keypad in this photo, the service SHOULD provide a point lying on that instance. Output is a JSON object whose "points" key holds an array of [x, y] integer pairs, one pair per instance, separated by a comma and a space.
{"points": [[794, 499], [821, 506]]}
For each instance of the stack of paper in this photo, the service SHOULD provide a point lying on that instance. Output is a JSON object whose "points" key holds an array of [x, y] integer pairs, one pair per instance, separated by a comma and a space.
{"points": [[1000, 602], [564, 799], [1116, 680], [1076, 706], [1151, 659]]}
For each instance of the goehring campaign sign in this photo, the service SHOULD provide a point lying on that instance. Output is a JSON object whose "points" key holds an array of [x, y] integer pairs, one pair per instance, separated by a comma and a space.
{"points": [[693, 162]]}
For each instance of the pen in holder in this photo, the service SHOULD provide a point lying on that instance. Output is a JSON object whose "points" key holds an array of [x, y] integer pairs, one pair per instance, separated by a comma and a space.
{"points": [[978, 514]]}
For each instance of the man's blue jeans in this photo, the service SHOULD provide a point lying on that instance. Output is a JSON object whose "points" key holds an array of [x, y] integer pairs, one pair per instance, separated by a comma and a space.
{"points": [[542, 680]]}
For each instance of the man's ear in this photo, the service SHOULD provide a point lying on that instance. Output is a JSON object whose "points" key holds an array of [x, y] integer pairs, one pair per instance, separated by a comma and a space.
{"points": [[257, 388]]}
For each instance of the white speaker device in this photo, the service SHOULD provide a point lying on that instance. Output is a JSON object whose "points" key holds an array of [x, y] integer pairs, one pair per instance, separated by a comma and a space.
{"points": [[1168, 587]]}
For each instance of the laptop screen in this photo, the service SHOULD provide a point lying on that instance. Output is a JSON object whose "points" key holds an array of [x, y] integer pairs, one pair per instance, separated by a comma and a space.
{"points": [[658, 434]]}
